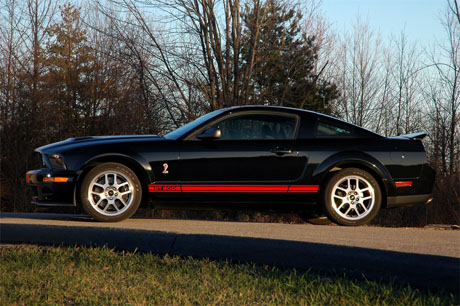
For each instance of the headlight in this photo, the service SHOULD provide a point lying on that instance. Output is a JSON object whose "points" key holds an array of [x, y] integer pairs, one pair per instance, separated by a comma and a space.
{"points": [[56, 161]]}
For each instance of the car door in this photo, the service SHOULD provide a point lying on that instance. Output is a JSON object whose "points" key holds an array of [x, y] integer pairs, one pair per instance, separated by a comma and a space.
{"points": [[256, 151]]}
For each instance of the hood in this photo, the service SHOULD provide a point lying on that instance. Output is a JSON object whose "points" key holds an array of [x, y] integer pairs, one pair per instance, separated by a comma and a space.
{"points": [[90, 140]]}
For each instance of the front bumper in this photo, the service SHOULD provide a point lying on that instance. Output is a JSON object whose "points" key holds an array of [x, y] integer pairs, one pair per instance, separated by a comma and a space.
{"points": [[52, 187]]}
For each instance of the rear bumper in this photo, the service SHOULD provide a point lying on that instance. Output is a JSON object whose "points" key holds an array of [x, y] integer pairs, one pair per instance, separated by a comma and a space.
{"points": [[49, 193], [409, 200]]}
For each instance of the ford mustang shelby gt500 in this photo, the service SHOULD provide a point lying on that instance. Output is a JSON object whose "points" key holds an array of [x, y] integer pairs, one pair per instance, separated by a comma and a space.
{"points": [[275, 157]]}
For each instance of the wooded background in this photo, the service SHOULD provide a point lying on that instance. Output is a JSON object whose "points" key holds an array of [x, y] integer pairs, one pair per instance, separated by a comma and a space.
{"points": [[148, 67]]}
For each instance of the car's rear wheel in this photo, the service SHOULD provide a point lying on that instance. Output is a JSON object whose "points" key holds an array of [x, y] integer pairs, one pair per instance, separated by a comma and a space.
{"points": [[110, 192], [352, 197]]}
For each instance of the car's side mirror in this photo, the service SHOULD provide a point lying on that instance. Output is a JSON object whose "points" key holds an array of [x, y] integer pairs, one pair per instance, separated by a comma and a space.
{"points": [[210, 134]]}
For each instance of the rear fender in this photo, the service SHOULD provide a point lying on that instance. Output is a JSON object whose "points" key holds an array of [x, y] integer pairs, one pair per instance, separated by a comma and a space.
{"points": [[354, 159]]}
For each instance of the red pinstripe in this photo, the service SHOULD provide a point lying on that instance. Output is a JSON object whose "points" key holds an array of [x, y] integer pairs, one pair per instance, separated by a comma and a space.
{"points": [[222, 188]]}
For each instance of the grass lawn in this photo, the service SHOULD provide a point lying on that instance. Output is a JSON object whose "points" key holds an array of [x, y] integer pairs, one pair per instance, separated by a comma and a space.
{"points": [[77, 276]]}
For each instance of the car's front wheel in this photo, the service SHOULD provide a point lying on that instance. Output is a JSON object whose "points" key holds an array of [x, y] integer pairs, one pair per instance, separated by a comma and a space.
{"points": [[352, 197], [110, 192]]}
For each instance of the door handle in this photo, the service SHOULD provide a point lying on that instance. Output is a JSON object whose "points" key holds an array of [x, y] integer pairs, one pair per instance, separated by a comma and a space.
{"points": [[281, 151]]}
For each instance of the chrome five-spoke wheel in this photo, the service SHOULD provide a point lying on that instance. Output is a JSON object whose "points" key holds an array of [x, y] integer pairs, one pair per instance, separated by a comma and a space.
{"points": [[352, 197], [111, 192]]}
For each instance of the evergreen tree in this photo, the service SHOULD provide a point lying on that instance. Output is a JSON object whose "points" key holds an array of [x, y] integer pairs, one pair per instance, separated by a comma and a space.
{"points": [[283, 66], [70, 63]]}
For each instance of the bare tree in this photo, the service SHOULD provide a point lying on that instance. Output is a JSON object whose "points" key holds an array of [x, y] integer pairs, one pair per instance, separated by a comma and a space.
{"points": [[454, 9], [445, 92], [220, 46], [10, 41], [326, 40], [166, 60], [404, 72], [358, 75], [39, 14], [22, 31]]}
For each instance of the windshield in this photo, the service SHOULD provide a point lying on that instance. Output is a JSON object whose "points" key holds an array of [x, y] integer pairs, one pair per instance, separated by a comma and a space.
{"points": [[183, 130]]}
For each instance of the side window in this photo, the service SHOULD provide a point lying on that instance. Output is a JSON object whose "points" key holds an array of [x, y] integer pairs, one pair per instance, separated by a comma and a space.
{"points": [[332, 129], [258, 126]]}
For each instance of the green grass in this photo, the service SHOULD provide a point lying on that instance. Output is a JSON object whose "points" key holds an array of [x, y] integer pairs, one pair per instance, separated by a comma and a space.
{"points": [[78, 276]]}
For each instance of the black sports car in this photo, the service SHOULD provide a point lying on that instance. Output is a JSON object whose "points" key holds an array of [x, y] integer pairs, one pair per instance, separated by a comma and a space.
{"points": [[269, 157]]}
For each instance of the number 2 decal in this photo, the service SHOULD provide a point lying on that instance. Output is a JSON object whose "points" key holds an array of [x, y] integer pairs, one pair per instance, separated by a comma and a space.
{"points": [[165, 168]]}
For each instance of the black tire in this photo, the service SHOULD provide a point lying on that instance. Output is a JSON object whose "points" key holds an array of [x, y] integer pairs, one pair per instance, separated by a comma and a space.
{"points": [[352, 197], [110, 192]]}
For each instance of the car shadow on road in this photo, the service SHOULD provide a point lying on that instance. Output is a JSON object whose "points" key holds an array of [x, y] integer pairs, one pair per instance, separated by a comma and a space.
{"points": [[430, 271], [48, 216], [311, 218]]}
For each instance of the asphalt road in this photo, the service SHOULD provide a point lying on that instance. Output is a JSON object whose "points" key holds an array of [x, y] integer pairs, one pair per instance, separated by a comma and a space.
{"points": [[421, 257]]}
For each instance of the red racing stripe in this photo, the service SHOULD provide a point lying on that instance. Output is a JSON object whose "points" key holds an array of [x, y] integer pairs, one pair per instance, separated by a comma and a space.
{"points": [[236, 188], [303, 188]]}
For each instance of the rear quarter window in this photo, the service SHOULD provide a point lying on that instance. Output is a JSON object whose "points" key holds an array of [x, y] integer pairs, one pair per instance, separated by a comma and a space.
{"points": [[325, 129]]}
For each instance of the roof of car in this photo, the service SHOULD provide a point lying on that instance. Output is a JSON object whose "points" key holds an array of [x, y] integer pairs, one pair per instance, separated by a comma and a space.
{"points": [[278, 108], [295, 110]]}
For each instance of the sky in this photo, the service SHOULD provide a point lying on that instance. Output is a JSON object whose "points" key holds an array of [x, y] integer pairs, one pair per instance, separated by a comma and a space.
{"points": [[420, 18]]}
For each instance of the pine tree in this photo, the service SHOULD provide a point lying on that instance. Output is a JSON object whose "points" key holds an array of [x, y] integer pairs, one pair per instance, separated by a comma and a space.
{"points": [[283, 67], [70, 63]]}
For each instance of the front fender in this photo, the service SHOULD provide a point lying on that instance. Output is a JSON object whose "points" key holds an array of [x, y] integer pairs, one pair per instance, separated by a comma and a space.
{"points": [[131, 158]]}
